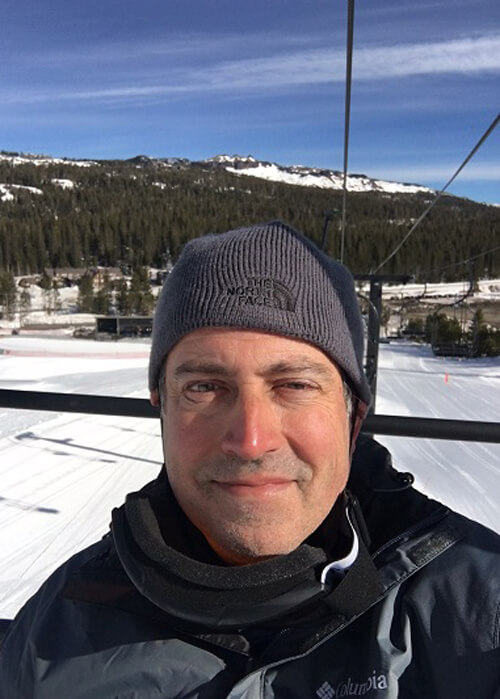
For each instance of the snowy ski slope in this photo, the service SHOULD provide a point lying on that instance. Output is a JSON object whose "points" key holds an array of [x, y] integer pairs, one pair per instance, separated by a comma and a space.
{"points": [[60, 474]]}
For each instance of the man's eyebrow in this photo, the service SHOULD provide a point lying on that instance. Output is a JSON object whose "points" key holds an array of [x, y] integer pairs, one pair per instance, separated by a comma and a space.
{"points": [[191, 367], [283, 367], [299, 366]]}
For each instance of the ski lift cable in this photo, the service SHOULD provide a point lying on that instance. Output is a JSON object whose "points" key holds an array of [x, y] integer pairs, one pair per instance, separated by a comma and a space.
{"points": [[466, 294], [347, 119], [454, 264], [463, 262], [483, 138], [369, 302]]}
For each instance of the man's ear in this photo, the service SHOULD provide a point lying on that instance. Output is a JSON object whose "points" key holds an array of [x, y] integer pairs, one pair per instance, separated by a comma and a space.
{"points": [[154, 398], [360, 410]]}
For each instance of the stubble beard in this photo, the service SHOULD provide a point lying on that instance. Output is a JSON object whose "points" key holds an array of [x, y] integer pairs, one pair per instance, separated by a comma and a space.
{"points": [[252, 529]]}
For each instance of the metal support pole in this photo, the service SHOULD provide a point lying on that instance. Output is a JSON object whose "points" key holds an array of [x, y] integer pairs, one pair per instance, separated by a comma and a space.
{"points": [[348, 82], [373, 337]]}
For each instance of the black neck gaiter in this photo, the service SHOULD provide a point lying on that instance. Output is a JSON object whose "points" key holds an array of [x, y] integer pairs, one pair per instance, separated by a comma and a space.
{"points": [[170, 563]]}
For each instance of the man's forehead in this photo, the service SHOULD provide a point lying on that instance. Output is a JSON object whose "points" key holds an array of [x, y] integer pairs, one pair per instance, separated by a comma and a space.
{"points": [[215, 350]]}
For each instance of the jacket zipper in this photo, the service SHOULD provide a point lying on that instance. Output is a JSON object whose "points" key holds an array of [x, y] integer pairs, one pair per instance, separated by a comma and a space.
{"points": [[432, 519], [436, 517]]}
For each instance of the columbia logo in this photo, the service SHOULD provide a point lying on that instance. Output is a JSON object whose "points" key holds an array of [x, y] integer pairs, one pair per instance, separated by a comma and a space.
{"points": [[349, 688], [326, 691]]}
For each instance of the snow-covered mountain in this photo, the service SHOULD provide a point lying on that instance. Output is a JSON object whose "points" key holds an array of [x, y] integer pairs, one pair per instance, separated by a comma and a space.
{"points": [[31, 159], [245, 166], [309, 176]]}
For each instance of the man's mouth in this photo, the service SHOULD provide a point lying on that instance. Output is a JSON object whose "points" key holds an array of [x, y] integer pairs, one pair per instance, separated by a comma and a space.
{"points": [[256, 487]]}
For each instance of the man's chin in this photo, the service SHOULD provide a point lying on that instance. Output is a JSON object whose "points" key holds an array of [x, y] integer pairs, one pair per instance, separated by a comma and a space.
{"points": [[244, 548]]}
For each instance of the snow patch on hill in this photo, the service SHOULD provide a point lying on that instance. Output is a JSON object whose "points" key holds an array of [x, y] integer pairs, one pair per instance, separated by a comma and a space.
{"points": [[7, 191], [29, 159], [313, 177], [64, 184]]}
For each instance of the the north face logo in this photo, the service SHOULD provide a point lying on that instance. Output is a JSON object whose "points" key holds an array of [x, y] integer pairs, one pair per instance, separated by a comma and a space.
{"points": [[262, 291]]}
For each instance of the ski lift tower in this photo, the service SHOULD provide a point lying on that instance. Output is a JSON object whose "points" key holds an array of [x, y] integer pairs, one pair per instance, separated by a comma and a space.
{"points": [[373, 329]]}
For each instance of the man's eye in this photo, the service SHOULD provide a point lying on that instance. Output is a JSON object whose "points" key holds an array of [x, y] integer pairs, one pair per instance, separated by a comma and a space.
{"points": [[202, 387], [297, 385]]}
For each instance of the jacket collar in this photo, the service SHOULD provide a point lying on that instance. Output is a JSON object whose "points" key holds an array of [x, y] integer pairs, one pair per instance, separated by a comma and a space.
{"points": [[398, 518]]}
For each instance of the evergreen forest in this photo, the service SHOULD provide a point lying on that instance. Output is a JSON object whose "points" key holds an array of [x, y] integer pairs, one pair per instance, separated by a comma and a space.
{"points": [[139, 213]]}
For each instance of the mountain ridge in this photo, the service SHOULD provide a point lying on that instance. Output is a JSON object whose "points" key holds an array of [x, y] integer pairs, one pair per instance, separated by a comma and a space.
{"points": [[300, 175]]}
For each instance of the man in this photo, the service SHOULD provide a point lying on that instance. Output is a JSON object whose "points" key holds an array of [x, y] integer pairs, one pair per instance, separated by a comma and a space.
{"points": [[259, 564]]}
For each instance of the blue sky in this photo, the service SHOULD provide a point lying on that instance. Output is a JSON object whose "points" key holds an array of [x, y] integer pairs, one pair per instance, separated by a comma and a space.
{"points": [[194, 78]]}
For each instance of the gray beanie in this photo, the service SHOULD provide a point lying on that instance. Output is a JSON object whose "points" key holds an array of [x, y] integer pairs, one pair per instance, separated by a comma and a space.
{"points": [[266, 277]]}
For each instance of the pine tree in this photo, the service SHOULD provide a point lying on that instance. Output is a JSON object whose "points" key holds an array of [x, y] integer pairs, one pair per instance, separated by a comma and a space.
{"points": [[102, 299], [55, 297], [122, 301], [439, 329], [140, 296], [25, 300], [8, 294], [485, 341], [86, 294], [24, 303], [45, 284]]}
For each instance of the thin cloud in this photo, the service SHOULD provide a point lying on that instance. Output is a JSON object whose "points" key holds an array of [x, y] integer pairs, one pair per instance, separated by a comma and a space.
{"points": [[193, 47], [468, 55], [289, 71]]}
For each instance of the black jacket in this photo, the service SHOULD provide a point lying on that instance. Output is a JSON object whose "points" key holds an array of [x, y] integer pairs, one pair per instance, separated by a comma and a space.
{"points": [[416, 616]]}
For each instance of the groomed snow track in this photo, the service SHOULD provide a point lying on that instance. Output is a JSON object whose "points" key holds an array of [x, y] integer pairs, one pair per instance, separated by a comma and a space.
{"points": [[61, 473]]}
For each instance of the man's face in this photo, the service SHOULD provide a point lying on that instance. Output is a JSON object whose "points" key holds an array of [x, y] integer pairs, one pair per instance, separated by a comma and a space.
{"points": [[256, 439]]}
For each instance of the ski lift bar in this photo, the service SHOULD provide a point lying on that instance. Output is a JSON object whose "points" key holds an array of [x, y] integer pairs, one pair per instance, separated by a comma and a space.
{"points": [[433, 428], [77, 403], [393, 425]]}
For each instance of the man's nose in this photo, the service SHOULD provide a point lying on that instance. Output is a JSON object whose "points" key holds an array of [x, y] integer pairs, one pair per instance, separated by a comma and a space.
{"points": [[253, 428]]}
